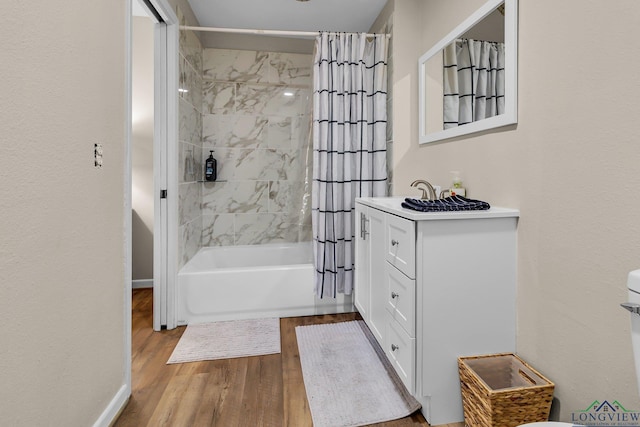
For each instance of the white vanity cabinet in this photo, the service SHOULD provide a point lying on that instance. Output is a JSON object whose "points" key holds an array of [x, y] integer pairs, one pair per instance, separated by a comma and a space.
{"points": [[435, 286], [370, 299]]}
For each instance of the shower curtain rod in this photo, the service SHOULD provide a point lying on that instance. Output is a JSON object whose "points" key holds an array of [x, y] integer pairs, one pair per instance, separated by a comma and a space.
{"points": [[262, 32]]}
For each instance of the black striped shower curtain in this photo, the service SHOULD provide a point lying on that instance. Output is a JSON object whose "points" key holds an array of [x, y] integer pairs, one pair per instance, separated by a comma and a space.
{"points": [[349, 148], [473, 81]]}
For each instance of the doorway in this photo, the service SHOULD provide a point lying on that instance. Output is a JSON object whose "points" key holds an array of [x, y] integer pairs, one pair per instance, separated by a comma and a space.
{"points": [[154, 135], [142, 120]]}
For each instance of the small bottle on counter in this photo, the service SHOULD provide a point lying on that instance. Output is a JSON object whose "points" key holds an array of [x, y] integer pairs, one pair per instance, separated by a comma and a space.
{"points": [[456, 187]]}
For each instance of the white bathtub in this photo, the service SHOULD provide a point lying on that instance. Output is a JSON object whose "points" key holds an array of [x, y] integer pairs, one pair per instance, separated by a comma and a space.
{"points": [[248, 282]]}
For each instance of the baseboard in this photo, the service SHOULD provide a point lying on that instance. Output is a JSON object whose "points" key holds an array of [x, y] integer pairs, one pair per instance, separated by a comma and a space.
{"points": [[142, 284], [112, 411]]}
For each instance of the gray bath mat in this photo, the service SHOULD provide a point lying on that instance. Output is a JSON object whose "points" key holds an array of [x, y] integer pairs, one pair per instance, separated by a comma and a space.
{"points": [[224, 340], [348, 382]]}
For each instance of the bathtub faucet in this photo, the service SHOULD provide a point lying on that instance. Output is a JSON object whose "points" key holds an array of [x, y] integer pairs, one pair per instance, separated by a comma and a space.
{"points": [[428, 193]]}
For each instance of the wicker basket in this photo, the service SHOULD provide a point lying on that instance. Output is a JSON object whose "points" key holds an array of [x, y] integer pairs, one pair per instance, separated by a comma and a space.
{"points": [[502, 390]]}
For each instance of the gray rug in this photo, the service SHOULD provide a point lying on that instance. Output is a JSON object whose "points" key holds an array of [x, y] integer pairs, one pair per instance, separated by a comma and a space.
{"points": [[348, 380], [225, 340]]}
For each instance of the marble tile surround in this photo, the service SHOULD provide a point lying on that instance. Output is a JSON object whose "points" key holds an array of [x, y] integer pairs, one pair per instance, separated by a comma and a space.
{"points": [[189, 145], [256, 117], [248, 66]]}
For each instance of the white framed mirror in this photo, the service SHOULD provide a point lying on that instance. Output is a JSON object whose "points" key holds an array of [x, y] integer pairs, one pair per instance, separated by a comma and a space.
{"points": [[457, 101]]}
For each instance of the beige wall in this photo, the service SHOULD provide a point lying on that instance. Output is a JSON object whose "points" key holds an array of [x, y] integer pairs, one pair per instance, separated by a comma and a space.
{"points": [[384, 24], [62, 250], [142, 149], [570, 166], [404, 110]]}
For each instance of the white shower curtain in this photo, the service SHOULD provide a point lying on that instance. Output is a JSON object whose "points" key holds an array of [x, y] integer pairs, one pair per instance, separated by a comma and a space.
{"points": [[473, 81], [349, 148]]}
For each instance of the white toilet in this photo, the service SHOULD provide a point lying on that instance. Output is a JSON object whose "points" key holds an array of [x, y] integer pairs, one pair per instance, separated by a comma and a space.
{"points": [[633, 306], [633, 284]]}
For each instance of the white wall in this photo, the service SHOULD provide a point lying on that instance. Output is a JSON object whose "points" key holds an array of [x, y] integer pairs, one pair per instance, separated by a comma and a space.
{"points": [[142, 148], [62, 247], [570, 166]]}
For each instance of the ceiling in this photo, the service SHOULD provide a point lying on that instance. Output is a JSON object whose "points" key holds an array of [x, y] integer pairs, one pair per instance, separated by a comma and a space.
{"points": [[291, 15]]}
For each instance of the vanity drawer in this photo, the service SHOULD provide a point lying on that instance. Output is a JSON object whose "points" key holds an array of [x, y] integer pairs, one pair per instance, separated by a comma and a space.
{"points": [[400, 244], [401, 352], [401, 298]]}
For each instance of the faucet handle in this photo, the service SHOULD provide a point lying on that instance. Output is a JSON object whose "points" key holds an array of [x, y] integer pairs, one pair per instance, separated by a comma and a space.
{"points": [[428, 192]]}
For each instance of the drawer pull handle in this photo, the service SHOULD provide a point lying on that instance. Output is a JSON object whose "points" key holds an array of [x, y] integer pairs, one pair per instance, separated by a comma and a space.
{"points": [[394, 295], [394, 347], [394, 242]]}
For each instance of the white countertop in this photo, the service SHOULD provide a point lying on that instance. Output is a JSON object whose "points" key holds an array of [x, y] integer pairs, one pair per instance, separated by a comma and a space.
{"points": [[392, 205]]}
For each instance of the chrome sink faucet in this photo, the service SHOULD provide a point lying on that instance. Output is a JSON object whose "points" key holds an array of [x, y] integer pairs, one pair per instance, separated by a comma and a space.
{"points": [[428, 193]]}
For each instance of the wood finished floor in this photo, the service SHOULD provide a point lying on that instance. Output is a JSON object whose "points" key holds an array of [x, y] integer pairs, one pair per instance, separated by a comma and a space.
{"points": [[250, 391]]}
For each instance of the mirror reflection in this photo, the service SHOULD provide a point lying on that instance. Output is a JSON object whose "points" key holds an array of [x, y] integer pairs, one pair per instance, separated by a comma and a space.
{"points": [[473, 73], [467, 80]]}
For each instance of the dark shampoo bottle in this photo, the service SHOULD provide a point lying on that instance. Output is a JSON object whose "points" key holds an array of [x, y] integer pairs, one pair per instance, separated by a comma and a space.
{"points": [[210, 168]]}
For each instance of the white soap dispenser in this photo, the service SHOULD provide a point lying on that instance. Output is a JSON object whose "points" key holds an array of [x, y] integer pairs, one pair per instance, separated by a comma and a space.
{"points": [[456, 187]]}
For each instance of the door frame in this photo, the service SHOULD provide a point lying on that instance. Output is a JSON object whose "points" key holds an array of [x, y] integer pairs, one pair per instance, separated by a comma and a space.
{"points": [[165, 171]]}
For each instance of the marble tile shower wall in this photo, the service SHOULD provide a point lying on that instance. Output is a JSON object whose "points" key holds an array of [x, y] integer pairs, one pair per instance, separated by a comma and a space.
{"points": [[190, 145], [256, 116]]}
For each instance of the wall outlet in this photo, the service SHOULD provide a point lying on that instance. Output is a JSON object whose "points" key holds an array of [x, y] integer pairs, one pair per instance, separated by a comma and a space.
{"points": [[97, 155]]}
